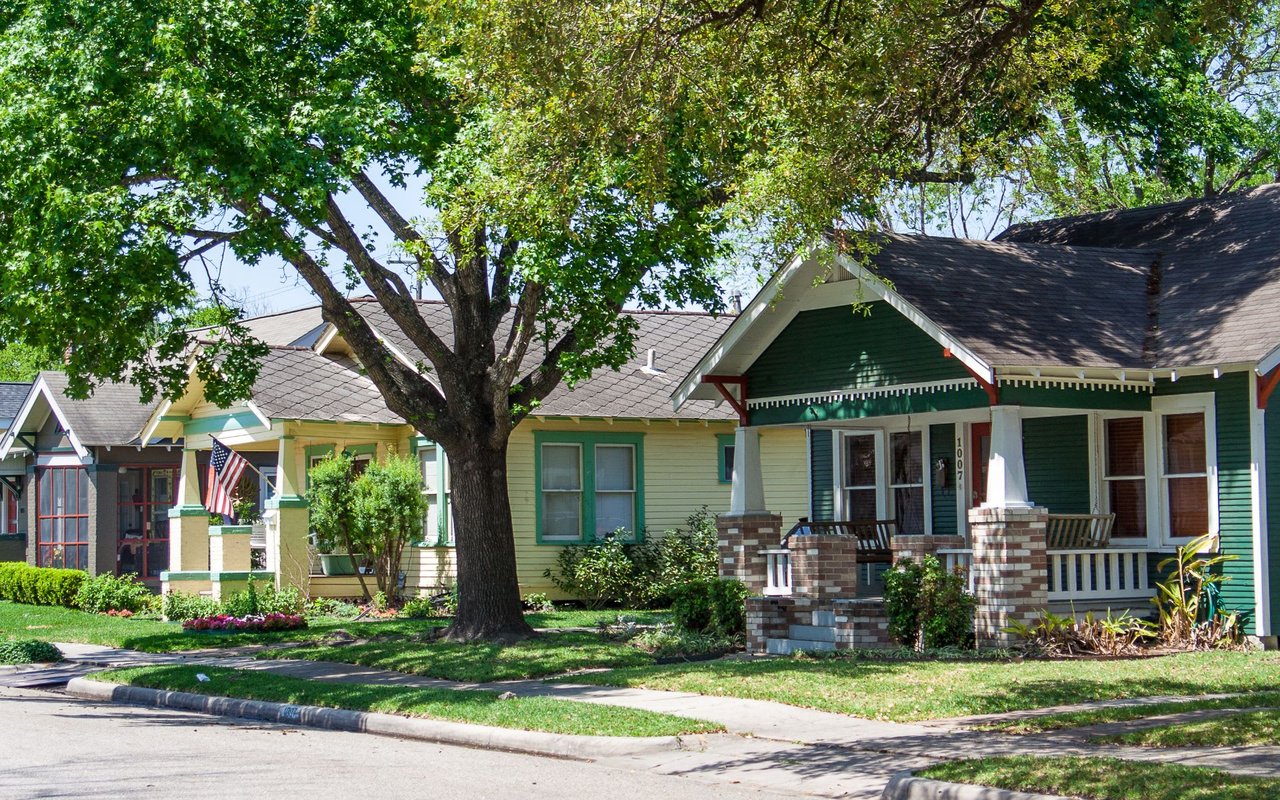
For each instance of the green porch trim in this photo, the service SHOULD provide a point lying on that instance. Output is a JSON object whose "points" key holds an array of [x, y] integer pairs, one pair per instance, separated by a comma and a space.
{"points": [[588, 441], [886, 405], [231, 530], [723, 441], [236, 420], [287, 501], [1085, 399], [216, 576], [1272, 439], [188, 511]]}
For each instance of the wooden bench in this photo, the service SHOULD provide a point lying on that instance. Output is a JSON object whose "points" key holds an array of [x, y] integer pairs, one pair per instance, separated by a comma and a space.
{"points": [[1080, 531]]}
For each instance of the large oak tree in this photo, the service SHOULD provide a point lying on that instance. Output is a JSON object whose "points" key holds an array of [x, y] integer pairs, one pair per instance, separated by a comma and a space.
{"points": [[574, 157]]}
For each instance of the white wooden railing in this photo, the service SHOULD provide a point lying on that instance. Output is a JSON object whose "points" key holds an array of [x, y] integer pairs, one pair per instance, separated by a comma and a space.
{"points": [[777, 571], [1103, 574], [953, 557]]}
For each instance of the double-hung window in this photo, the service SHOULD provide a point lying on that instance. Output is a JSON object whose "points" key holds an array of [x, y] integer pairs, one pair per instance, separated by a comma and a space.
{"points": [[882, 476], [1184, 474], [590, 486], [1125, 475], [437, 522]]}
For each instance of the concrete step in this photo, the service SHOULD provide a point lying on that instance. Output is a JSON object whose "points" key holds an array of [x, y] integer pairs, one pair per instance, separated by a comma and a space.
{"points": [[785, 647], [812, 633]]}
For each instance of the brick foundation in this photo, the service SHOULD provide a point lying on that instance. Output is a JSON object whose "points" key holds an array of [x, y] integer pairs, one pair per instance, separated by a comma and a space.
{"points": [[824, 567], [767, 618], [741, 538], [1010, 569]]}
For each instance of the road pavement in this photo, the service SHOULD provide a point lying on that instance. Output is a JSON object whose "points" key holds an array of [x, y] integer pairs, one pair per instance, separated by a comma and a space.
{"points": [[54, 746]]}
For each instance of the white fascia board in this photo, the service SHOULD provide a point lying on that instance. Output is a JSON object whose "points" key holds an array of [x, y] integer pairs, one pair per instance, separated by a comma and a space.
{"points": [[401, 357], [326, 338], [39, 389], [157, 415], [759, 305], [257, 412], [1269, 362], [900, 304]]}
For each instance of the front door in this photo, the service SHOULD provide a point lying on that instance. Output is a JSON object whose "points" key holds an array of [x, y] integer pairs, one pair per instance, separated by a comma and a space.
{"points": [[145, 496], [979, 461]]}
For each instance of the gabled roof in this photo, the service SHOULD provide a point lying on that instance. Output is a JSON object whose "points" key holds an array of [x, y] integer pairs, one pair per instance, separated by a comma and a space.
{"points": [[300, 384], [1219, 271], [678, 339], [111, 416], [11, 397]]}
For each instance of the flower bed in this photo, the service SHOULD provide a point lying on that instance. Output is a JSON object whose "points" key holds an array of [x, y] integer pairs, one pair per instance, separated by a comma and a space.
{"points": [[262, 622]]}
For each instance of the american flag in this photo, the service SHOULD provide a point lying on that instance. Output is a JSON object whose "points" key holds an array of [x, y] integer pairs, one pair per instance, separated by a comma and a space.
{"points": [[225, 468]]}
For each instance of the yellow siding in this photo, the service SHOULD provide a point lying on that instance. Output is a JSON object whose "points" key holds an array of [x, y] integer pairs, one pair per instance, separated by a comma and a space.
{"points": [[680, 463]]}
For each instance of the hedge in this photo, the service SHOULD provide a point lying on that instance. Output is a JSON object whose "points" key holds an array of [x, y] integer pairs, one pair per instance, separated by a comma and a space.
{"points": [[40, 586]]}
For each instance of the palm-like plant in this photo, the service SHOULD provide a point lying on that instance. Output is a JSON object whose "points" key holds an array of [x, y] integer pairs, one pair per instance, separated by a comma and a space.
{"points": [[1181, 597]]}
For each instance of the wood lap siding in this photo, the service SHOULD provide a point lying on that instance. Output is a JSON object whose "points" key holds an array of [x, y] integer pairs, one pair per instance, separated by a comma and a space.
{"points": [[837, 348], [1056, 450], [821, 475], [1235, 502], [1273, 507], [942, 444]]}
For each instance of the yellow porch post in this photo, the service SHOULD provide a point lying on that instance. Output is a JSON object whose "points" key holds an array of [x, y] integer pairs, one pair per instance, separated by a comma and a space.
{"points": [[287, 551], [188, 533]]}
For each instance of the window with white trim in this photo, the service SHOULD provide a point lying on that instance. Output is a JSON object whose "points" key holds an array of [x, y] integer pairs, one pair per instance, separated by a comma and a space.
{"points": [[561, 487], [1184, 474], [589, 486], [881, 475], [1124, 475], [860, 476], [437, 522], [906, 481]]}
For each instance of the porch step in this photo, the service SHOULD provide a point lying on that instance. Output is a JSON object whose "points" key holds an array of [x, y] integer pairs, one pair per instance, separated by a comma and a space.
{"points": [[785, 647], [812, 633]]}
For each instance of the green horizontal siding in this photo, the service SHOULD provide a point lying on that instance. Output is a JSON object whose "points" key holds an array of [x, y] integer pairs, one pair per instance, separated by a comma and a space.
{"points": [[1059, 397], [1235, 497], [942, 444], [822, 474], [1056, 453], [1273, 507], [841, 348]]}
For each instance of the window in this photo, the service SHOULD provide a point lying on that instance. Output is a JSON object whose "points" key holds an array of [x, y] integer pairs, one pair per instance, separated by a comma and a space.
{"points": [[725, 452], [437, 523], [589, 486], [860, 484], [1125, 475], [142, 511], [907, 481], [8, 511], [62, 517], [1185, 474]]}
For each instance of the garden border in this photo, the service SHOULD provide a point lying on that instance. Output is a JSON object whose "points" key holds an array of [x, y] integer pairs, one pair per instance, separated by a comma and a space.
{"points": [[906, 786]]}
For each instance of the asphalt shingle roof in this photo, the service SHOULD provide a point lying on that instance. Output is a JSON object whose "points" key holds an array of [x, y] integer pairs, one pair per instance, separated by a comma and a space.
{"points": [[1217, 285], [112, 415], [297, 383], [12, 396]]}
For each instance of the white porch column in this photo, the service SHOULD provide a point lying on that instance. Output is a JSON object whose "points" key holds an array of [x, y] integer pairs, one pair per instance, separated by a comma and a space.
{"points": [[1006, 472], [747, 496]]}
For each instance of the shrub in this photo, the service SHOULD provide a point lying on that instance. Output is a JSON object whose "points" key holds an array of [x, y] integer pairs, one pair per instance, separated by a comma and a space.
{"points": [[669, 641], [329, 607], [537, 602], [28, 651], [113, 593], [40, 586], [1188, 616], [684, 556], [255, 600], [182, 606], [714, 607], [1053, 635], [420, 607], [927, 606]]}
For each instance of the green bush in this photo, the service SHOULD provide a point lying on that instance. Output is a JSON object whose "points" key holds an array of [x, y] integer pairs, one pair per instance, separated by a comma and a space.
{"points": [[419, 607], [28, 651], [263, 599], [612, 572], [112, 593], [329, 607], [40, 586], [669, 641], [182, 606], [928, 607], [714, 607], [537, 602]]}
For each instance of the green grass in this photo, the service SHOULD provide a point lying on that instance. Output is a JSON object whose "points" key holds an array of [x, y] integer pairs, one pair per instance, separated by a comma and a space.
{"points": [[1260, 727], [546, 654], [56, 624], [1098, 716], [478, 708], [1104, 779], [908, 691], [581, 618]]}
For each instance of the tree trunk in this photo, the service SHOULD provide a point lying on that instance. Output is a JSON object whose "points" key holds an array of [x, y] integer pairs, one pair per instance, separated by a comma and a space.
{"points": [[489, 605]]}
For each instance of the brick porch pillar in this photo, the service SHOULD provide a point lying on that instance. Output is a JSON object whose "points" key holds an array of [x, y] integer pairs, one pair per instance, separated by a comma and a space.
{"points": [[824, 567], [1010, 569], [741, 538], [917, 546]]}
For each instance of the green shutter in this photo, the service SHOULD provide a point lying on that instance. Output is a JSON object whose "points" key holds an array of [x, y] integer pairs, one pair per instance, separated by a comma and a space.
{"points": [[942, 444], [821, 474], [1056, 453]]}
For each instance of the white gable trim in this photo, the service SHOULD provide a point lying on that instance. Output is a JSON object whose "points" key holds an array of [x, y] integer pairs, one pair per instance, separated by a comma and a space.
{"points": [[1269, 362], [331, 333], [39, 389]]}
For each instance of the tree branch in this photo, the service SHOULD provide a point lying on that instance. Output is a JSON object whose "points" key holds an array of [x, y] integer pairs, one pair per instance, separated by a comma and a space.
{"points": [[403, 230]]}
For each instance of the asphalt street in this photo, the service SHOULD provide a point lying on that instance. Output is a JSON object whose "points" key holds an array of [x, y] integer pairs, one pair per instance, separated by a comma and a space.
{"points": [[54, 746]]}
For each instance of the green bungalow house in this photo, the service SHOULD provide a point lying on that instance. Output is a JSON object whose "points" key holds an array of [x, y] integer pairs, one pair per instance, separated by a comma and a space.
{"points": [[1058, 408]]}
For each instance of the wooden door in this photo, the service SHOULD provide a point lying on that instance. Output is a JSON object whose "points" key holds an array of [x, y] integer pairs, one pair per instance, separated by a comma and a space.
{"points": [[979, 460]]}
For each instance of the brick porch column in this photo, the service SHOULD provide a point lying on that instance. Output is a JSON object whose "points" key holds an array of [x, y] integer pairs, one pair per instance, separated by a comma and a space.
{"points": [[824, 567], [1010, 569], [741, 538], [917, 546]]}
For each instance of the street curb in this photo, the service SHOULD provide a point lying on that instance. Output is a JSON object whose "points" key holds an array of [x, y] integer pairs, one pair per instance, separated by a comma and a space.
{"points": [[905, 786], [582, 748]]}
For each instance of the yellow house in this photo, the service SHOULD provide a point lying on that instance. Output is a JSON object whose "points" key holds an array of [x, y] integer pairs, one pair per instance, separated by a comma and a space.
{"points": [[610, 453]]}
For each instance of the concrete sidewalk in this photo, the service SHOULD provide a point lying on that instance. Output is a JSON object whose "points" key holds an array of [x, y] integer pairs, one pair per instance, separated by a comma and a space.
{"points": [[776, 746]]}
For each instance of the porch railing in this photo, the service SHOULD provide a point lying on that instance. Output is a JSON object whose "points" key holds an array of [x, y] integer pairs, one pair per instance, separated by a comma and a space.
{"points": [[953, 558], [1107, 574], [777, 563]]}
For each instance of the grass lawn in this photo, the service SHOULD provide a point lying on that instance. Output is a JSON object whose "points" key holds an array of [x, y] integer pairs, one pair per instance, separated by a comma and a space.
{"points": [[1238, 730], [906, 691], [479, 708], [1104, 779], [1098, 716], [546, 654]]}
